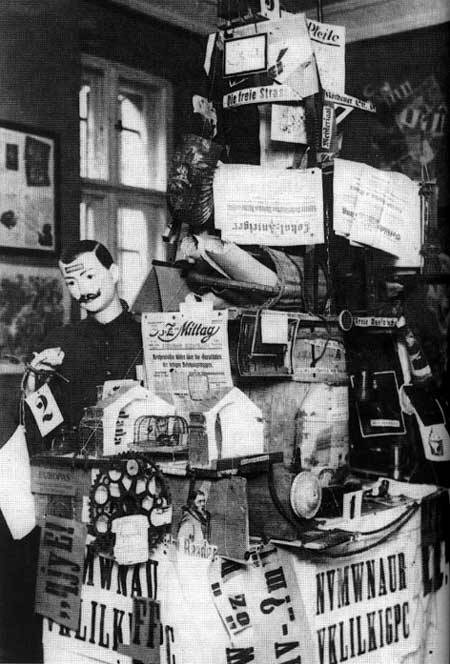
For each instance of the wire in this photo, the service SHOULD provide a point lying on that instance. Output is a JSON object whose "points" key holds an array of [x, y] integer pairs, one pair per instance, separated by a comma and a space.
{"points": [[399, 521]]}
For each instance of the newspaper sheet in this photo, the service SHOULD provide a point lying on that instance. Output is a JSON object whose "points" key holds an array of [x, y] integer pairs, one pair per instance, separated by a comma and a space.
{"points": [[281, 207], [380, 209]]}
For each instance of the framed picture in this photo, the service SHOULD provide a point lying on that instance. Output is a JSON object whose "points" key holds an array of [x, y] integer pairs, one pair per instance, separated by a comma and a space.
{"points": [[28, 191], [33, 301]]}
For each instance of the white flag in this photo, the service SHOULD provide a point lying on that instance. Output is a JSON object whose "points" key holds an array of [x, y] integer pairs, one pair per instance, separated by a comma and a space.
{"points": [[16, 499]]}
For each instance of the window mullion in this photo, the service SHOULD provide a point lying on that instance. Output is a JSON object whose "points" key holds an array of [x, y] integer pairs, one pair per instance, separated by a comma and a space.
{"points": [[113, 119]]}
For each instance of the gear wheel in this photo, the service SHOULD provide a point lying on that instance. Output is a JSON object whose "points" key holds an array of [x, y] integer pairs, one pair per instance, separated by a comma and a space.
{"points": [[131, 484]]}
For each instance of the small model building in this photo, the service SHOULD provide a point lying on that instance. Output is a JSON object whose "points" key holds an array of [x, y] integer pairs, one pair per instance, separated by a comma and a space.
{"points": [[224, 426], [132, 418]]}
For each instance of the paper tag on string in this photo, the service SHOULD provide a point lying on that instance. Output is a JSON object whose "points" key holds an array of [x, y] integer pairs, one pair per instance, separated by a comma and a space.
{"points": [[45, 410], [274, 327]]}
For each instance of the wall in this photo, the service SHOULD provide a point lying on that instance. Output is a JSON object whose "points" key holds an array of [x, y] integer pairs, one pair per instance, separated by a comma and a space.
{"points": [[40, 46]]}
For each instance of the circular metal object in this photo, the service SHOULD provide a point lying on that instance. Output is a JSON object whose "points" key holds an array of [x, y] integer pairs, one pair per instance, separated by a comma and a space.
{"points": [[345, 320], [306, 495]]}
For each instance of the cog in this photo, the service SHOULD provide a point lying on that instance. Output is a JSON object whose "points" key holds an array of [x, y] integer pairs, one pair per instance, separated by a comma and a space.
{"points": [[131, 484]]}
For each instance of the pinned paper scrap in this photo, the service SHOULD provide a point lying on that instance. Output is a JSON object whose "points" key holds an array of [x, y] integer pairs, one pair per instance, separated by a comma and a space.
{"points": [[60, 570], [328, 42], [131, 546], [145, 632], [290, 73], [16, 499], [288, 124], [274, 327], [45, 410], [281, 208]]}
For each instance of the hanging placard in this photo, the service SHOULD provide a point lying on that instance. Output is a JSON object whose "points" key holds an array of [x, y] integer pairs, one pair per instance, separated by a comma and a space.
{"points": [[60, 571], [45, 410]]}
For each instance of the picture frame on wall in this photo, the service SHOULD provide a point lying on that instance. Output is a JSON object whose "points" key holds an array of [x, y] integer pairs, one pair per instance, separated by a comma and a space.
{"points": [[29, 200], [33, 301]]}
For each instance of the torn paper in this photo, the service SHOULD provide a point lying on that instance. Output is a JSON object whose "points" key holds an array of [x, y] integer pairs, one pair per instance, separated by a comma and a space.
{"points": [[328, 42]]}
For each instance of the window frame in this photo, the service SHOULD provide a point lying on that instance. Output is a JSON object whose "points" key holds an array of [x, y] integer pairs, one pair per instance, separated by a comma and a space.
{"points": [[114, 77]]}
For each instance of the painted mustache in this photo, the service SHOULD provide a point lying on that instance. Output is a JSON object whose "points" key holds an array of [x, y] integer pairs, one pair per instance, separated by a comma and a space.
{"points": [[90, 296]]}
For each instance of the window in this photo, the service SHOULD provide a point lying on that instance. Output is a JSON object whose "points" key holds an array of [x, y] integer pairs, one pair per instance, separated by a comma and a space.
{"points": [[125, 136]]}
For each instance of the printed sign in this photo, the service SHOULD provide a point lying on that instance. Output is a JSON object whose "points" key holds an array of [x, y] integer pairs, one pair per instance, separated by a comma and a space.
{"points": [[262, 609], [187, 353], [328, 126], [145, 631], [45, 410], [347, 100], [60, 571], [289, 73], [106, 610], [282, 207], [52, 481], [328, 42]]}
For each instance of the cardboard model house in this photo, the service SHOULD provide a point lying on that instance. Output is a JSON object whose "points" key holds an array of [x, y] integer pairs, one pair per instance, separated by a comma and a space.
{"points": [[224, 426], [120, 413]]}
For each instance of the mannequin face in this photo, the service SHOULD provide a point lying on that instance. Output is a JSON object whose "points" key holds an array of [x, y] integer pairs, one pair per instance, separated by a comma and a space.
{"points": [[200, 502], [90, 283]]}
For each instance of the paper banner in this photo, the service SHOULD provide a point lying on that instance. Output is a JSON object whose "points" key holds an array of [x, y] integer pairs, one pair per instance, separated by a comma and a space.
{"points": [[60, 570], [281, 208], [341, 99]]}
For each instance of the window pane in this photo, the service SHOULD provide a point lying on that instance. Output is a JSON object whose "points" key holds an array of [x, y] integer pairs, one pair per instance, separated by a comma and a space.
{"points": [[93, 127], [134, 144], [94, 220], [139, 242]]}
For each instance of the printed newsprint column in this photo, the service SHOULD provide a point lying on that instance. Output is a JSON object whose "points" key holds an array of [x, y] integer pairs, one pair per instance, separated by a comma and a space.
{"points": [[60, 570], [282, 207], [186, 354], [328, 43]]}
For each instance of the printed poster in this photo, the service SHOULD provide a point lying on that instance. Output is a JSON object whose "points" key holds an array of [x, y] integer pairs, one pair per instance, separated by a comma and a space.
{"points": [[282, 207]]}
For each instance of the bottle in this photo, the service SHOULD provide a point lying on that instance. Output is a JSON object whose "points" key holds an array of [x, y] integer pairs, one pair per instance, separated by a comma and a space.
{"points": [[420, 369]]}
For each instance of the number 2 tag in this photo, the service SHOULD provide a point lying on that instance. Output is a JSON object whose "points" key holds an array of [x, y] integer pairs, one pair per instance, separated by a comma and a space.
{"points": [[45, 410]]}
